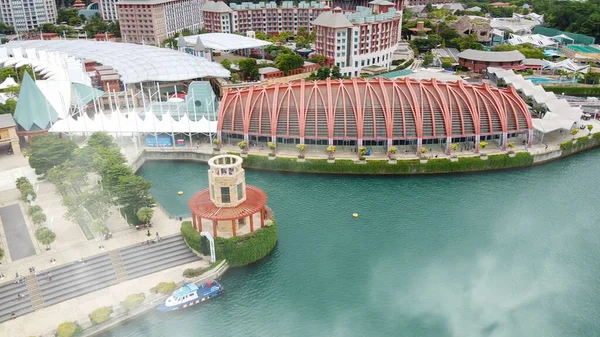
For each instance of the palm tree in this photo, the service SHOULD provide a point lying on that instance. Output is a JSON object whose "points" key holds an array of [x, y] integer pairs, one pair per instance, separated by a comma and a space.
{"points": [[510, 146], [392, 151], [483, 145], [272, 146], [362, 151], [331, 151], [301, 148], [454, 147], [574, 132], [145, 214], [243, 145]]}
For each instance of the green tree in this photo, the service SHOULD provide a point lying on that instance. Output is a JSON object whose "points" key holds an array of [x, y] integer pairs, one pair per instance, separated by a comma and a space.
{"points": [[99, 226], [145, 214], [261, 36], [249, 69], [95, 25], [45, 236], [186, 32], [315, 58], [8, 107], [7, 72], [302, 42], [34, 209], [427, 59], [23, 69], [226, 64], [38, 218], [132, 193], [12, 92], [285, 62], [48, 151], [75, 21], [528, 50], [101, 139], [169, 43], [335, 73], [64, 15], [4, 29]]}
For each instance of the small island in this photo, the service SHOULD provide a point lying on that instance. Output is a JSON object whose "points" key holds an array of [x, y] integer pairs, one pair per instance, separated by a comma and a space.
{"points": [[231, 213]]}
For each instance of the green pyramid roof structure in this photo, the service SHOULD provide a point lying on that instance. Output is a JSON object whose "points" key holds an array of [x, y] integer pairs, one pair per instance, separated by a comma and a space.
{"points": [[84, 93], [33, 112]]}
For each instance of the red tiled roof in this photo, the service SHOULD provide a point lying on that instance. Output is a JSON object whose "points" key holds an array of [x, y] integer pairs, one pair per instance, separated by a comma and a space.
{"points": [[201, 205]]}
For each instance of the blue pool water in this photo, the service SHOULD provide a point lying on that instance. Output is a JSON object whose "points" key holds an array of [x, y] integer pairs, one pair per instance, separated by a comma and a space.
{"points": [[550, 80], [394, 74]]}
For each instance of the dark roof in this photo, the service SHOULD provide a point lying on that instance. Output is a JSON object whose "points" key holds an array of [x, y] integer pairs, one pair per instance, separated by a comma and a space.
{"points": [[6, 121]]}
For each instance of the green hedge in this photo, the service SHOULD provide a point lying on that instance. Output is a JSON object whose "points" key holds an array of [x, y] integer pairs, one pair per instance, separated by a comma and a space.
{"points": [[583, 143], [164, 287], [238, 251], [412, 166], [133, 301], [100, 315], [574, 90], [68, 329]]}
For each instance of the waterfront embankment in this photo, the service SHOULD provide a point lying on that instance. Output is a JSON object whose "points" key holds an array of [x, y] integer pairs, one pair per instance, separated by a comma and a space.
{"points": [[380, 165]]}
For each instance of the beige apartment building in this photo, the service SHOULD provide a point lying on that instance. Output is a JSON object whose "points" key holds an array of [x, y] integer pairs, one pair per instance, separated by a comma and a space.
{"points": [[152, 21]]}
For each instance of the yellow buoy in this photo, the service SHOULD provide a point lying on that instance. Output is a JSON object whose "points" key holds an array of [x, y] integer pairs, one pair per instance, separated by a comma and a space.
{"points": [[180, 192], [355, 215]]}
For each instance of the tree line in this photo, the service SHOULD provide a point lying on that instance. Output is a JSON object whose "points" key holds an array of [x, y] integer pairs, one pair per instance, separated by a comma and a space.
{"points": [[89, 203]]}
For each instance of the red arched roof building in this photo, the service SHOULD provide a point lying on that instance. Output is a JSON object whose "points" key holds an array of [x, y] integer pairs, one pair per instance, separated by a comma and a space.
{"points": [[394, 111]]}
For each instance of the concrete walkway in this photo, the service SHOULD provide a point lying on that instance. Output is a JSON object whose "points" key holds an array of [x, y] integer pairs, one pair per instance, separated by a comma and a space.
{"points": [[20, 244]]}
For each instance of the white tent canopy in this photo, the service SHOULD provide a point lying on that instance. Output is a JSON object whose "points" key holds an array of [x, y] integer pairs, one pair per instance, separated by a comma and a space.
{"points": [[8, 82], [129, 124], [560, 115], [535, 39], [226, 42], [566, 65]]}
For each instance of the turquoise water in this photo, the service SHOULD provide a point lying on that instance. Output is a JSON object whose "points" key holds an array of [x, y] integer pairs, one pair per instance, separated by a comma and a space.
{"points": [[501, 254], [584, 49], [395, 74], [550, 80]]}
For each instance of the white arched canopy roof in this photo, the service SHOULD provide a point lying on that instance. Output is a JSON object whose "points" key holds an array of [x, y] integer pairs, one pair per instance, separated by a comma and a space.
{"points": [[134, 63]]}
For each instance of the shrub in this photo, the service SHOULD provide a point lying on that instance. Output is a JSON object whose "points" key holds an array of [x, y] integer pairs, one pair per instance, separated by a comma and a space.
{"points": [[21, 181], [34, 209], [583, 143], [133, 301], [68, 329], [1, 253], [240, 250], [164, 287], [100, 315], [193, 272], [412, 166], [191, 237], [26, 188]]}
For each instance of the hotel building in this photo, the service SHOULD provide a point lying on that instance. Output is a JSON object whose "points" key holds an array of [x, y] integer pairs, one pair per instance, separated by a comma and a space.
{"points": [[108, 10], [152, 21], [268, 18], [27, 14], [365, 38]]}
